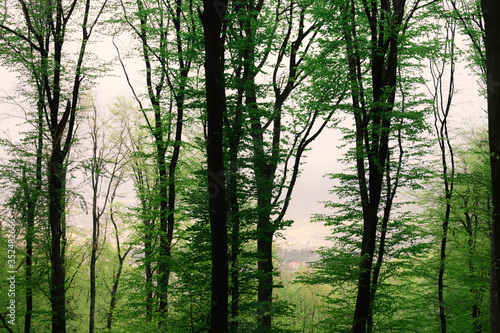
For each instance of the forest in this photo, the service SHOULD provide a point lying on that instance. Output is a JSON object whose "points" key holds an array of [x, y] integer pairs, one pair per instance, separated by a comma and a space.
{"points": [[162, 209]]}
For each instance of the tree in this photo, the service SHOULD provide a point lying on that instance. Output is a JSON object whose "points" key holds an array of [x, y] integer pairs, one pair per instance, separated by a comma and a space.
{"points": [[376, 37], [43, 32], [373, 119], [23, 185], [212, 19], [104, 169], [121, 260], [472, 210], [276, 163], [442, 107], [491, 10], [167, 85]]}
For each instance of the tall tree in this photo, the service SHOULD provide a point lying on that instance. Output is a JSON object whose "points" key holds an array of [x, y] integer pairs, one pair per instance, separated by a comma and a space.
{"points": [[276, 164], [104, 169], [491, 12], [22, 183], [373, 92], [212, 19], [373, 124], [168, 65], [44, 29], [443, 97]]}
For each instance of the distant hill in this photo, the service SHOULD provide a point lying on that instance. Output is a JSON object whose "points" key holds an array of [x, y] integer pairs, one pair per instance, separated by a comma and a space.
{"points": [[305, 255]]}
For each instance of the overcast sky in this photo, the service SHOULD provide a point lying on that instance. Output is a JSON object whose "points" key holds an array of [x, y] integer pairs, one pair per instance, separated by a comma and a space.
{"points": [[312, 187]]}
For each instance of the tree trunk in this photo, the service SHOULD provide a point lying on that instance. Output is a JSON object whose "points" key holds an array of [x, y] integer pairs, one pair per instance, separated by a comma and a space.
{"points": [[372, 135], [116, 280], [165, 221], [491, 13], [148, 271], [58, 236], [234, 208], [264, 179], [212, 18], [30, 233], [93, 259], [442, 261], [114, 291], [471, 228], [179, 99], [30, 228]]}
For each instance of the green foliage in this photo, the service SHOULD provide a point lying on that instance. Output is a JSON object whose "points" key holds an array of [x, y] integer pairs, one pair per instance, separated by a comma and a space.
{"points": [[265, 61]]}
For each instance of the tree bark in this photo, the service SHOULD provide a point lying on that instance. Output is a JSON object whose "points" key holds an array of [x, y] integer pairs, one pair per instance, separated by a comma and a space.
{"points": [[45, 39], [491, 13], [372, 134], [116, 280], [58, 237], [212, 18]]}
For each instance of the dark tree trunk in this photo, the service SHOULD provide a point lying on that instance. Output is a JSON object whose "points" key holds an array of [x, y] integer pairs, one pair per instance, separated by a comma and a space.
{"points": [[471, 222], [46, 39], [264, 168], [232, 198], [148, 272], [442, 261], [165, 241], [30, 233], [116, 280], [154, 94], [491, 13], [58, 238], [95, 171], [391, 189], [372, 133], [212, 18], [57, 221], [114, 291], [180, 94], [93, 259]]}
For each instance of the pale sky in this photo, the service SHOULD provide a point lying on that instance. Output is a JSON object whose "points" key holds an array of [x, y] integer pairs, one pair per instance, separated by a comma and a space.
{"points": [[311, 186]]}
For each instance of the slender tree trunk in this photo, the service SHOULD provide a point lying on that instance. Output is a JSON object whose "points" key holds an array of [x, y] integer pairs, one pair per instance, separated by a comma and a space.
{"points": [[234, 208], [93, 259], [116, 280], [154, 94], [491, 13], [372, 138], [471, 228], [212, 18], [148, 272], [57, 231], [30, 233], [442, 262], [30, 228], [114, 291], [264, 178], [165, 241], [95, 224], [442, 107], [179, 99], [391, 189], [235, 133]]}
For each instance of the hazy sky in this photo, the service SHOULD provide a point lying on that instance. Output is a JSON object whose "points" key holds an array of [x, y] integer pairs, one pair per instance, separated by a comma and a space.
{"points": [[312, 186]]}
